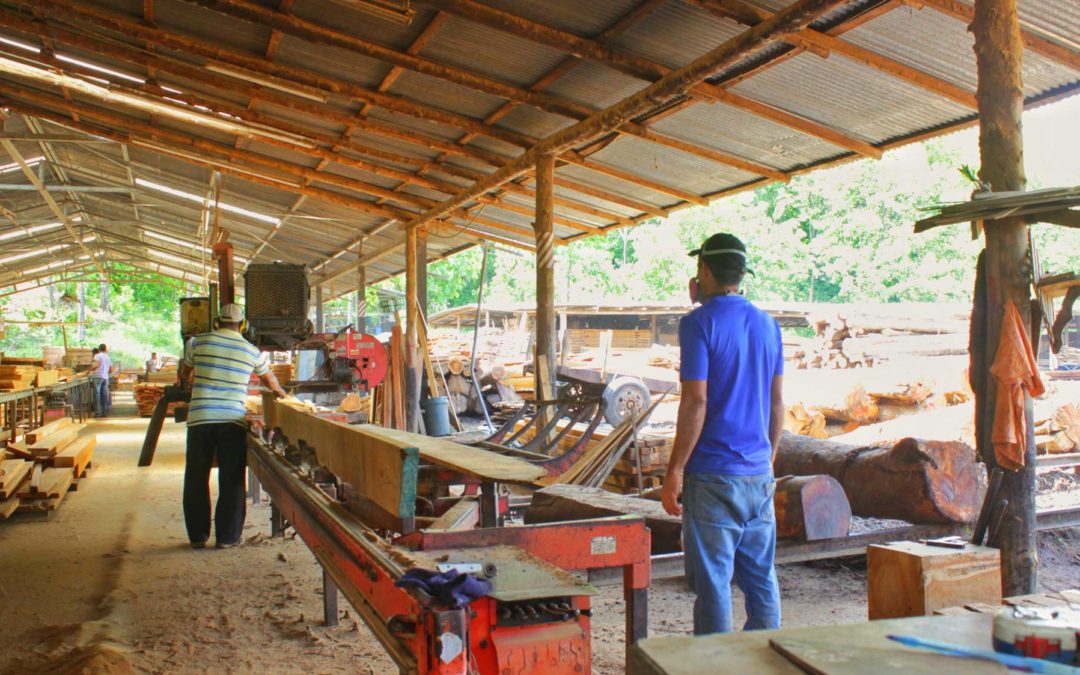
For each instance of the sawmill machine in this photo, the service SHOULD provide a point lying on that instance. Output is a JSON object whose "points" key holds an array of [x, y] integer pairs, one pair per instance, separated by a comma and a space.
{"points": [[457, 594]]}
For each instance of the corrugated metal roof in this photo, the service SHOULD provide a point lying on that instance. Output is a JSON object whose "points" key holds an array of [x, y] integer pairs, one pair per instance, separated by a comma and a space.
{"points": [[853, 99]]}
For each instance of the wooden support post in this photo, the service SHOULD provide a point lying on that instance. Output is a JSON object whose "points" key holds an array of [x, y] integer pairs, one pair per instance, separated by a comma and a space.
{"points": [[361, 291], [998, 51], [320, 326], [412, 318], [545, 278]]}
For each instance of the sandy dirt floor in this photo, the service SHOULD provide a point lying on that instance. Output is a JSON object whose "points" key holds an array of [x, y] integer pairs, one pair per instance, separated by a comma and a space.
{"points": [[109, 584]]}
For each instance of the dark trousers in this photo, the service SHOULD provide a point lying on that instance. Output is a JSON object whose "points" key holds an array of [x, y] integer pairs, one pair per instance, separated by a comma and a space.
{"points": [[227, 442]]}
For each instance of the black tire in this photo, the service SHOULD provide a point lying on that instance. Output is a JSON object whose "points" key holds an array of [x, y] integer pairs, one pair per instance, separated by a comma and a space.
{"points": [[620, 394]]}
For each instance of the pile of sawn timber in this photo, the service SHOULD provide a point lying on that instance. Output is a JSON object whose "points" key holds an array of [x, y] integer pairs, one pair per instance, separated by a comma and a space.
{"points": [[38, 471], [146, 397]]}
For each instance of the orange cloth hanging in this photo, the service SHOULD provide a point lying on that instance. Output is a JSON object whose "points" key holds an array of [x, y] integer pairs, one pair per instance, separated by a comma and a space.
{"points": [[1014, 369]]}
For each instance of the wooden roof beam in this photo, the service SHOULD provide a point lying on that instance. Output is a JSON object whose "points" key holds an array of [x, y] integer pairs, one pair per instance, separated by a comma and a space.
{"points": [[794, 18], [254, 177], [315, 33], [379, 128], [642, 68]]}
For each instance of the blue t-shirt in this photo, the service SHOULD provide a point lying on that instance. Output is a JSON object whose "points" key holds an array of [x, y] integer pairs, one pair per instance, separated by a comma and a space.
{"points": [[737, 349]]}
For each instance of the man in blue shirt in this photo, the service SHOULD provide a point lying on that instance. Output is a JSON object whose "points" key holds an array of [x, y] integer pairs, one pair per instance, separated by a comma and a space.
{"points": [[730, 418]]}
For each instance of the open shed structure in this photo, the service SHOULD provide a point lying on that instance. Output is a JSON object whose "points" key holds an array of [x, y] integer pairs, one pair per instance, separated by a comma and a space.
{"points": [[362, 138]]}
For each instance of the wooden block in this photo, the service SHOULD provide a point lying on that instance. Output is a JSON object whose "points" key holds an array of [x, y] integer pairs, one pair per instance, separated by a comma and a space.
{"points": [[19, 449], [76, 456], [35, 435], [46, 377], [912, 579]]}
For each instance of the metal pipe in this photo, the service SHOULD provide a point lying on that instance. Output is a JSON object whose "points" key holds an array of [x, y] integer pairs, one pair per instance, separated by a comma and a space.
{"points": [[476, 337]]}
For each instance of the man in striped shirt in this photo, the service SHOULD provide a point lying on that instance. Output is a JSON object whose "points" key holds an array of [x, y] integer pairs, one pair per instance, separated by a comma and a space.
{"points": [[222, 362]]}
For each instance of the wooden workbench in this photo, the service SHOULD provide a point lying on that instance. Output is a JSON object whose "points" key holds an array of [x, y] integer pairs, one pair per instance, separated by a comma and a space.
{"points": [[749, 652]]}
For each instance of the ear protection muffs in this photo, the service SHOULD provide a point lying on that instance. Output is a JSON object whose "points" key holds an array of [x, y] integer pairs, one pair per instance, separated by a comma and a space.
{"points": [[242, 329]]}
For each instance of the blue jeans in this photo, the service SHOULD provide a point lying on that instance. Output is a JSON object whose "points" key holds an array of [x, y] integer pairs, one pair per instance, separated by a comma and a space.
{"points": [[729, 528], [102, 397]]}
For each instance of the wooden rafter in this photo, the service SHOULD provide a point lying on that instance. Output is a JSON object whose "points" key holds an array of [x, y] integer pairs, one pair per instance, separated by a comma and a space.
{"points": [[314, 32], [640, 67], [132, 55], [794, 18], [194, 155]]}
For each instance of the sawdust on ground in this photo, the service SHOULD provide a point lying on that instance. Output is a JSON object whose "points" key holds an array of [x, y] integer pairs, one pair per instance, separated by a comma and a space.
{"points": [[109, 585]]}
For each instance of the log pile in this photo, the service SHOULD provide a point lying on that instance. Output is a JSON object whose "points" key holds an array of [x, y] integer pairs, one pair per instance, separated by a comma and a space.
{"points": [[499, 383], [1060, 433], [863, 336], [146, 397], [919, 481], [42, 468]]}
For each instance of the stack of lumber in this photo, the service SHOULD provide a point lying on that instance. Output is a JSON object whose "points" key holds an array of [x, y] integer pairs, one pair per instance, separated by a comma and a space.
{"points": [[146, 397], [22, 361], [43, 467], [76, 357], [1060, 433], [46, 377], [654, 451], [580, 339], [17, 377]]}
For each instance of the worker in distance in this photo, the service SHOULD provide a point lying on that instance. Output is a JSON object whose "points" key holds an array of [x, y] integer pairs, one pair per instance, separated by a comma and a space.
{"points": [[726, 437], [221, 363]]}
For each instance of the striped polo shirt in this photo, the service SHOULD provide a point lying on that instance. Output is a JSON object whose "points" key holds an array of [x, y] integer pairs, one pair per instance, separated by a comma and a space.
{"points": [[223, 361]]}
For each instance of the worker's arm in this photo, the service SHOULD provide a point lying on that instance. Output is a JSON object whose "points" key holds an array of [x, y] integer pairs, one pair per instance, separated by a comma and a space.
{"points": [[690, 422], [186, 366], [776, 414], [270, 381]]}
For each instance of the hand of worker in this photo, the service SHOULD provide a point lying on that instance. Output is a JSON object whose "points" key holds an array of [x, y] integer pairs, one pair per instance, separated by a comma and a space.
{"points": [[670, 493]]}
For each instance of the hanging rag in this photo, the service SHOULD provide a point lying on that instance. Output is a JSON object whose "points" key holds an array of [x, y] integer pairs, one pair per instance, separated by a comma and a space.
{"points": [[1014, 370], [452, 588]]}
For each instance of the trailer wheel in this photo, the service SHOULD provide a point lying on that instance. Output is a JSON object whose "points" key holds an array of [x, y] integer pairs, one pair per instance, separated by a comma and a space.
{"points": [[622, 395]]}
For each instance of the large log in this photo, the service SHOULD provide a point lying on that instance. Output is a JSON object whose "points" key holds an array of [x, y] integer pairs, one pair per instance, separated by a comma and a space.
{"points": [[909, 479]]}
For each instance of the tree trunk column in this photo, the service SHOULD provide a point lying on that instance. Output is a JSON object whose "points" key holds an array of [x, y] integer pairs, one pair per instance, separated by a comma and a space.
{"points": [[545, 278], [412, 339], [998, 52], [361, 291]]}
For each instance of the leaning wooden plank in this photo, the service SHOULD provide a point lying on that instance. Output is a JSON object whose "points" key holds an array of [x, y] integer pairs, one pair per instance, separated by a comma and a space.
{"points": [[19, 449], [77, 455], [35, 435]]}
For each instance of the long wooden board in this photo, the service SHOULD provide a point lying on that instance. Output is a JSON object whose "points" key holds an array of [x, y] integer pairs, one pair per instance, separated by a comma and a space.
{"points": [[383, 472], [475, 462], [8, 506], [35, 435], [53, 443]]}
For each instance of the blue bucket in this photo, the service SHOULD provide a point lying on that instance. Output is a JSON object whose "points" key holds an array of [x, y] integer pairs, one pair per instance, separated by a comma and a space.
{"points": [[436, 412]]}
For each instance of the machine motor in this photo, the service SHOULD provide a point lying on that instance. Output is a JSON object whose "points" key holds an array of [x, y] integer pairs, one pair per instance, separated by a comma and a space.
{"points": [[276, 305]]}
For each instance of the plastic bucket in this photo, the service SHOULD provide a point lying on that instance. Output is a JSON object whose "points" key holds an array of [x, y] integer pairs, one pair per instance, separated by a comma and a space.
{"points": [[436, 413]]}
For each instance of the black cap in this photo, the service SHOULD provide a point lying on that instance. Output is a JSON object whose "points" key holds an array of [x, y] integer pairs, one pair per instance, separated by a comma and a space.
{"points": [[727, 245]]}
